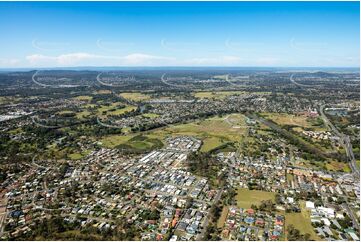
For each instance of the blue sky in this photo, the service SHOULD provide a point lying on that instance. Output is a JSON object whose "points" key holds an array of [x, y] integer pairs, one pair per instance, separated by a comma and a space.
{"points": [[287, 34]]}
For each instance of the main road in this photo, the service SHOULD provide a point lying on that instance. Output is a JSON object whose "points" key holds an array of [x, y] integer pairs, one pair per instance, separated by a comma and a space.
{"points": [[345, 142]]}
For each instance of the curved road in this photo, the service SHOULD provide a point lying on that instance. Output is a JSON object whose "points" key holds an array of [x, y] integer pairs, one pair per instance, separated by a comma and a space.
{"points": [[108, 84], [172, 85], [231, 83], [108, 125], [299, 84]]}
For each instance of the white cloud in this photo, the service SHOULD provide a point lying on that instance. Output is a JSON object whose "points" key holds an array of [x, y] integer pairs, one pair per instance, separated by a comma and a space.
{"points": [[86, 59], [267, 61], [140, 59], [220, 61], [8, 62]]}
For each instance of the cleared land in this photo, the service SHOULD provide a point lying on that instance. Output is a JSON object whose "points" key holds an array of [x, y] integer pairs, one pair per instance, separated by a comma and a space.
{"points": [[300, 121], [135, 96], [216, 95], [245, 197], [77, 156], [214, 132], [223, 217], [301, 221], [132, 142], [150, 115], [103, 92], [113, 109], [83, 98]]}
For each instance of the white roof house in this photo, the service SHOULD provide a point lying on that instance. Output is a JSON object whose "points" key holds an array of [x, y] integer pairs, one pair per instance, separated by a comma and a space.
{"points": [[310, 205]]}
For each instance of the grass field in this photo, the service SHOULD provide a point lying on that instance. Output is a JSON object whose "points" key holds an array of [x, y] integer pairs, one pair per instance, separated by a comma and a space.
{"points": [[103, 92], [109, 109], [213, 131], [8, 100], [223, 217], [82, 114], [211, 143], [302, 222], [216, 95], [337, 166], [112, 141], [83, 98], [300, 121], [150, 115], [245, 197], [135, 96], [65, 112], [77, 156], [132, 142], [122, 110]]}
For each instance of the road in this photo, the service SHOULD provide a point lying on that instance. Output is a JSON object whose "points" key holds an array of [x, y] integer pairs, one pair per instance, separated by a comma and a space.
{"points": [[45, 126], [352, 215], [109, 125], [172, 85], [299, 84], [206, 220], [38, 83], [231, 83], [345, 142], [3, 214]]}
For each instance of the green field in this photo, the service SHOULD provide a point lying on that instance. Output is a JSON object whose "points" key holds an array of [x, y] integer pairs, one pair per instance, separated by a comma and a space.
{"points": [[82, 114], [245, 197], [301, 122], [112, 141], [135, 96], [302, 222], [223, 217], [337, 166], [132, 142], [113, 109], [216, 95], [150, 115], [78, 156], [214, 131], [83, 98]]}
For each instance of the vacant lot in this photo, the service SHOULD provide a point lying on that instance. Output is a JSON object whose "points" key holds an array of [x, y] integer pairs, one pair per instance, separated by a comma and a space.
{"points": [[337, 166], [77, 156], [103, 92], [300, 121], [245, 197], [223, 217], [216, 95], [132, 142], [150, 115], [113, 109], [112, 141], [83, 98], [302, 222], [135, 96], [213, 132]]}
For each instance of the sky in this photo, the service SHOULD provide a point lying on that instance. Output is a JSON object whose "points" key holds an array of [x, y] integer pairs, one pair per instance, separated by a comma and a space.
{"points": [[245, 34]]}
